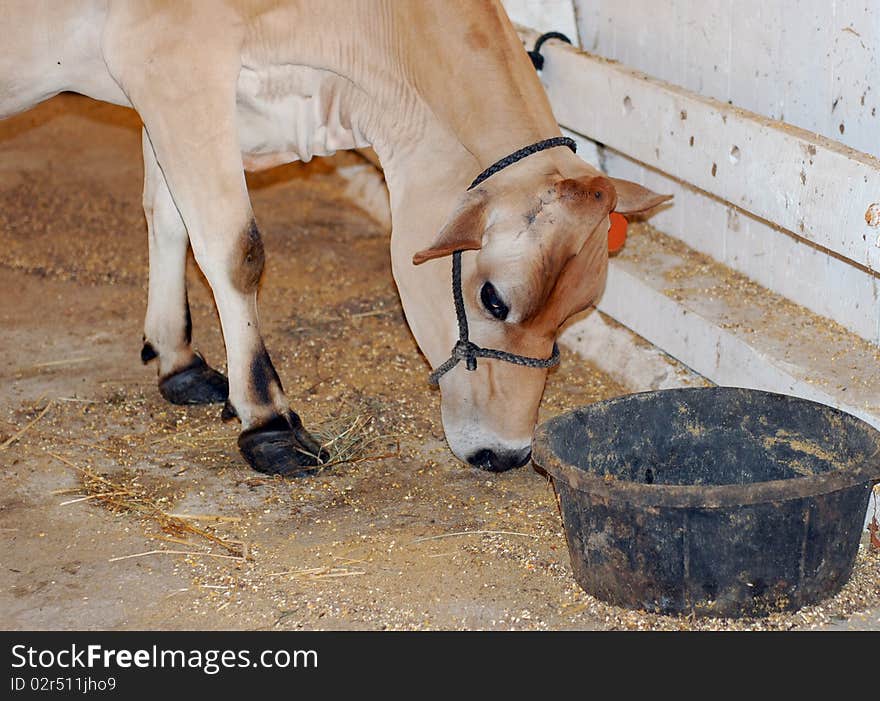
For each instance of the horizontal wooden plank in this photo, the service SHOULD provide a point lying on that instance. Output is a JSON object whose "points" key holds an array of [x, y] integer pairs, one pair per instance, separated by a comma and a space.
{"points": [[814, 187], [733, 332], [626, 358]]}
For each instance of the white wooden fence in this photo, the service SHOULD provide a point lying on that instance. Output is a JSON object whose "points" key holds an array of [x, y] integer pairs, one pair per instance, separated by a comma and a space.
{"points": [[794, 210]]}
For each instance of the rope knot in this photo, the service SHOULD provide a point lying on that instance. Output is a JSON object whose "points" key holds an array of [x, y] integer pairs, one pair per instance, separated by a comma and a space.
{"points": [[466, 351]]}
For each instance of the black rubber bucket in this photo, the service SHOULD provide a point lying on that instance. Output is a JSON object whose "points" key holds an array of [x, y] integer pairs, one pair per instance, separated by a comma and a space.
{"points": [[718, 501]]}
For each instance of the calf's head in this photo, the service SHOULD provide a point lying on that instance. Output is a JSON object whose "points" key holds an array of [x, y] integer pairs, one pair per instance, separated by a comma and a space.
{"points": [[535, 253]]}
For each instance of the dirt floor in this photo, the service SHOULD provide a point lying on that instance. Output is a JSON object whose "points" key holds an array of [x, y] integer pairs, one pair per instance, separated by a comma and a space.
{"points": [[105, 471]]}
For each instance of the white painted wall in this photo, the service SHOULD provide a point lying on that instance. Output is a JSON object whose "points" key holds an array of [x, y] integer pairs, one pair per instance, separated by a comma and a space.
{"points": [[811, 63], [545, 16]]}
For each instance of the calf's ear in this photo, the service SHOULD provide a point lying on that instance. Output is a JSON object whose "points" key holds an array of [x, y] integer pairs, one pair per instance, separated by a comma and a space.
{"points": [[463, 231], [632, 198]]}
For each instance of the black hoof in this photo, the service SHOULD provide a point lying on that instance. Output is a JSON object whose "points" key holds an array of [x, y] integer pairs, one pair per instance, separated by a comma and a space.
{"points": [[282, 447], [229, 413], [197, 383]]}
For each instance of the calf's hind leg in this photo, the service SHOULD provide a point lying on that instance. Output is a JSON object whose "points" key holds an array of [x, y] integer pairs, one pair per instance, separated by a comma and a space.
{"points": [[184, 376]]}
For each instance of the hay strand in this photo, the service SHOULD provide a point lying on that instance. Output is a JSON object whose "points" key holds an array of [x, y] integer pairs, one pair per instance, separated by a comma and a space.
{"points": [[464, 533], [13, 438], [63, 361], [175, 552], [206, 517], [315, 573]]}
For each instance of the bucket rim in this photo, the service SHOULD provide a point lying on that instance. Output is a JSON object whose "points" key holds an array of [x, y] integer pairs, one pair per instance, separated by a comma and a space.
{"points": [[704, 496]]}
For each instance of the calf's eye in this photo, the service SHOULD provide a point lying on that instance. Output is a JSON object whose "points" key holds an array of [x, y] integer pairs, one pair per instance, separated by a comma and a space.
{"points": [[493, 302]]}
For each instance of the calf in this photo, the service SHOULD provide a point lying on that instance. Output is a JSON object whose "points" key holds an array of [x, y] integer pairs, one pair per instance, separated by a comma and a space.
{"points": [[440, 89]]}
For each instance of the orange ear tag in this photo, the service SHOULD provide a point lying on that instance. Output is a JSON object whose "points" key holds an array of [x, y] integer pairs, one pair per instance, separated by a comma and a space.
{"points": [[617, 232]]}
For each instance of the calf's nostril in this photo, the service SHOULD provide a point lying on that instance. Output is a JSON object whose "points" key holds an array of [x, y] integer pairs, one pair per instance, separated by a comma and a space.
{"points": [[500, 461], [482, 459]]}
